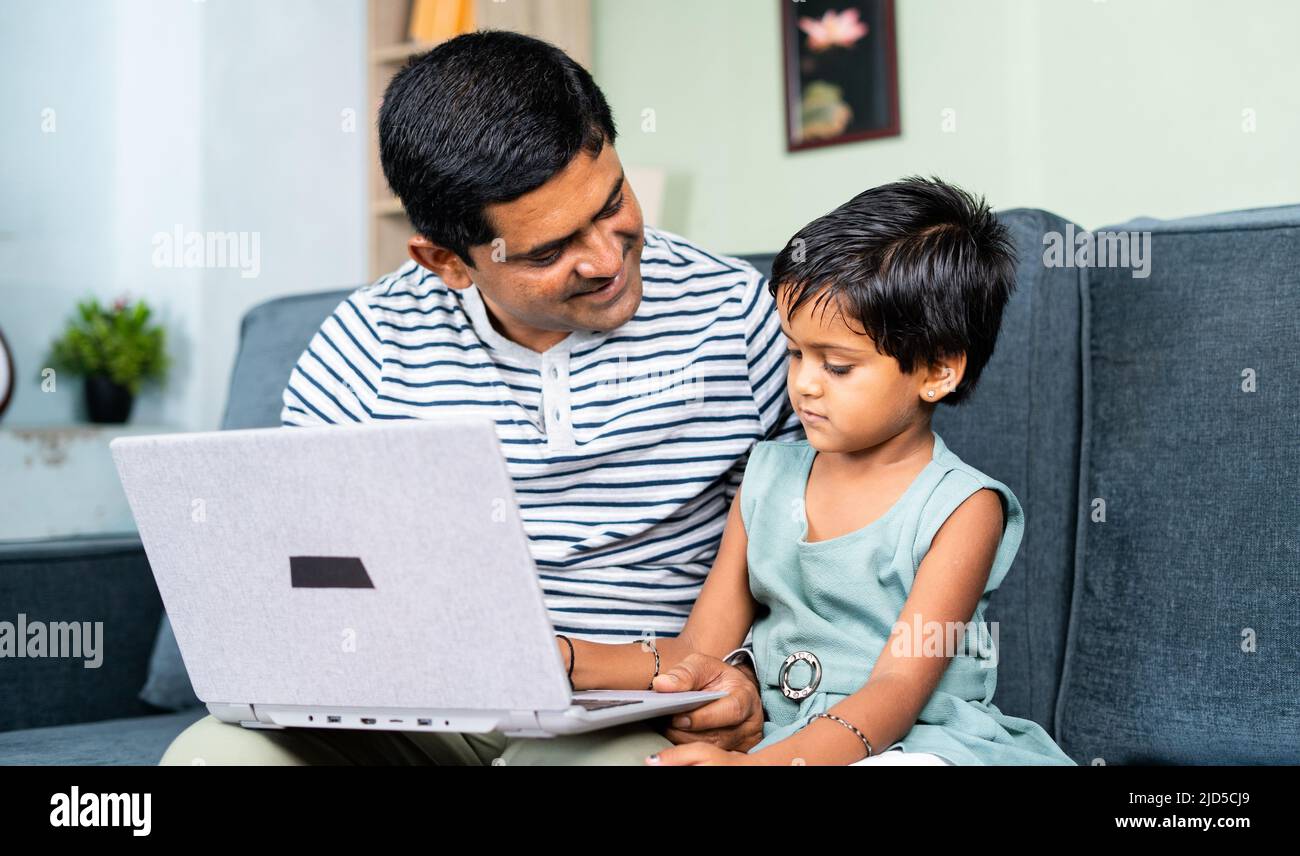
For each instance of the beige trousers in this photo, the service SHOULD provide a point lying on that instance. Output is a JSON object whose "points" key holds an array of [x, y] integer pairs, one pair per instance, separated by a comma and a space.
{"points": [[211, 741]]}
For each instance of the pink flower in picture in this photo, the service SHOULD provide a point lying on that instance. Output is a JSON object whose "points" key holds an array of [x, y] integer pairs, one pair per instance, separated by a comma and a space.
{"points": [[841, 29]]}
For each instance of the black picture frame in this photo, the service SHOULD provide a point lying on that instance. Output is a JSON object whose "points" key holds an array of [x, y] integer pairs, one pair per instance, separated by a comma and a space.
{"points": [[856, 78]]}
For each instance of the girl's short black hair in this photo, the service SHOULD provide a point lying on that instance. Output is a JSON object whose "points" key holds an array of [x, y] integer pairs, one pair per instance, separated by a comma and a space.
{"points": [[922, 265], [484, 118]]}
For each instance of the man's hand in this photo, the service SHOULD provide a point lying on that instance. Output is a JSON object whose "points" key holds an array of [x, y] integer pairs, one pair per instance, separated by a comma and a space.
{"points": [[733, 723]]}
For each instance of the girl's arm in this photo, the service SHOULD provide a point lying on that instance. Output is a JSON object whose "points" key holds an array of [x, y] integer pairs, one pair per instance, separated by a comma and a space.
{"points": [[948, 586], [718, 622]]}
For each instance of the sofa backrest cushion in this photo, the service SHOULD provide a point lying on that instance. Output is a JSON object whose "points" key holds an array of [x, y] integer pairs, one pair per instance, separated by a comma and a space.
{"points": [[271, 339], [1187, 602], [90, 602]]}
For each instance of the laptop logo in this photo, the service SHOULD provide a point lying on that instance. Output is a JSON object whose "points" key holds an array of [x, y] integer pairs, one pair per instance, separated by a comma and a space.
{"points": [[328, 572]]}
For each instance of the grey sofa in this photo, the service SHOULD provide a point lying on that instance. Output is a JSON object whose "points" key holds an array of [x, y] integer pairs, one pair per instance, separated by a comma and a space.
{"points": [[1147, 424]]}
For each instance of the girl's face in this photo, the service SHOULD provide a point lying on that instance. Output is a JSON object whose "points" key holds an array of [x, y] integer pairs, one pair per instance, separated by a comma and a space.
{"points": [[848, 395]]}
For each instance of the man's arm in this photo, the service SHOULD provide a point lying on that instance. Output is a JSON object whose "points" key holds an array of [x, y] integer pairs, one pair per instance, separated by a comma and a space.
{"points": [[336, 380]]}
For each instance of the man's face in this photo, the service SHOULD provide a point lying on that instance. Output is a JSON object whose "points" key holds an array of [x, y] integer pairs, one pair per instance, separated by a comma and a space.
{"points": [[567, 255]]}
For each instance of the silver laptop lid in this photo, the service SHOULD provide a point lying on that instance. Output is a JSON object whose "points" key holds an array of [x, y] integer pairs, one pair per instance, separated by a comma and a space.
{"points": [[381, 565]]}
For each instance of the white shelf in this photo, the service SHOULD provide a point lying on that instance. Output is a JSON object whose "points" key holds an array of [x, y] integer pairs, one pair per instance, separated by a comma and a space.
{"points": [[59, 480]]}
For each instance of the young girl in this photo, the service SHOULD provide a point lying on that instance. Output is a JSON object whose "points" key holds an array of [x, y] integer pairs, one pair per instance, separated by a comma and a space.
{"points": [[863, 557]]}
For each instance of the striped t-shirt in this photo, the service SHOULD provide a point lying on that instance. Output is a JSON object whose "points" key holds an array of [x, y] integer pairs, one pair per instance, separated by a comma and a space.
{"points": [[625, 447]]}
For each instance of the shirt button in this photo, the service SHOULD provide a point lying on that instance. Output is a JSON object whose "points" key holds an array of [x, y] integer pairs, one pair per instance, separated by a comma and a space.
{"points": [[555, 414], [555, 373]]}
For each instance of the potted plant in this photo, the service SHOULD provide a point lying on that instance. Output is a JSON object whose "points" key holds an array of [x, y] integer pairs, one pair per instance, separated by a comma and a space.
{"points": [[116, 349]]}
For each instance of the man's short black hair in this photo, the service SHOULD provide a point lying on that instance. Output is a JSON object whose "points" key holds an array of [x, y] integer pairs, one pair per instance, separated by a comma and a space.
{"points": [[922, 265], [484, 118]]}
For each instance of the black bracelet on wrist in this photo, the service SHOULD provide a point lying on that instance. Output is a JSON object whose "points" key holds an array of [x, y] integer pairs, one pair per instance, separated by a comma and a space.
{"points": [[571, 656]]}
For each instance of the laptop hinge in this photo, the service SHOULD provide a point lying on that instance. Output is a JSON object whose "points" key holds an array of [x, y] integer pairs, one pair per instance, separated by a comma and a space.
{"points": [[260, 720], [523, 723], [243, 714]]}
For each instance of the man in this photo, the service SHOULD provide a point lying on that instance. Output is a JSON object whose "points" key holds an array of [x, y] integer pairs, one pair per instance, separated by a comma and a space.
{"points": [[628, 371]]}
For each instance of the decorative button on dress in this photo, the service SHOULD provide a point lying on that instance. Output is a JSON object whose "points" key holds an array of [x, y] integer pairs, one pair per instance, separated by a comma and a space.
{"points": [[840, 598]]}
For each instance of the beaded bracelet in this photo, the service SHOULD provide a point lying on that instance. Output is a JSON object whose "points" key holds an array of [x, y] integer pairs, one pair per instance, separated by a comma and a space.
{"points": [[651, 643], [851, 727]]}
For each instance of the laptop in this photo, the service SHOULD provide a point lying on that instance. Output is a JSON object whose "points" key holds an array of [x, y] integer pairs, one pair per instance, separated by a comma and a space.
{"points": [[370, 576]]}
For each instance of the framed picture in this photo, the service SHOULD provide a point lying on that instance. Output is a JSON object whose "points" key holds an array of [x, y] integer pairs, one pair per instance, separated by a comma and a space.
{"points": [[841, 71]]}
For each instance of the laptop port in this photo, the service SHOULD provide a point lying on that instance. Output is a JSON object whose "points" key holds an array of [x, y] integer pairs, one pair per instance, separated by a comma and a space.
{"points": [[334, 719], [366, 720]]}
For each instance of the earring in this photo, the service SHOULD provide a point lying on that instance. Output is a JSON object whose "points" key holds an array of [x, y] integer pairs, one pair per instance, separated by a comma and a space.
{"points": [[929, 393]]}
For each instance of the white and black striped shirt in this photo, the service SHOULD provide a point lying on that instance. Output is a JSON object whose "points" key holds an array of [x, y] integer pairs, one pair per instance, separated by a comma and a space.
{"points": [[625, 447]]}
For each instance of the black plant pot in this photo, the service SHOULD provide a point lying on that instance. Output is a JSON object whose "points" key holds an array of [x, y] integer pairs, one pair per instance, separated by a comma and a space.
{"points": [[107, 401]]}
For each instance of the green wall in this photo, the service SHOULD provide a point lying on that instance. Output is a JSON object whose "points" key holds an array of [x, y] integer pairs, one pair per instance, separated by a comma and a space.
{"points": [[1099, 111]]}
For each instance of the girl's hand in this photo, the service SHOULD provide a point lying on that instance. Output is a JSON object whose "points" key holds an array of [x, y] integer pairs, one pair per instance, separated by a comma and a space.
{"points": [[700, 755]]}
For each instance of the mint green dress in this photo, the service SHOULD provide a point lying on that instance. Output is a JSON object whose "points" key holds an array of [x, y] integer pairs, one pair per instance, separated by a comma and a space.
{"points": [[840, 598]]}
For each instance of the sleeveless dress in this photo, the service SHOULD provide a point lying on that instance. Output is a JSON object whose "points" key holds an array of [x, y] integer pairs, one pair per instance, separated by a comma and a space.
{"points": [[840, 598]]}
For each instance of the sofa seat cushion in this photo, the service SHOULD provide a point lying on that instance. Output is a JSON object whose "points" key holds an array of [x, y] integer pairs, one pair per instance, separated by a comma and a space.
{"points": [[137, 741]]}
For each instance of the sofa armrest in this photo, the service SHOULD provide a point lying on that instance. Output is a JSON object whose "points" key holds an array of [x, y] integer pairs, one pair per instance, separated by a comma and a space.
{"points": [[78, 619]]}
